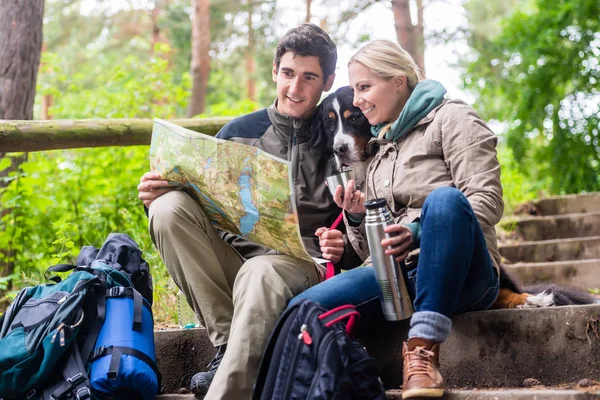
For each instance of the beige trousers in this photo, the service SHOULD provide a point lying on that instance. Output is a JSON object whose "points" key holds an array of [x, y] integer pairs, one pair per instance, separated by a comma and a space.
{"points": [[238, 301]]}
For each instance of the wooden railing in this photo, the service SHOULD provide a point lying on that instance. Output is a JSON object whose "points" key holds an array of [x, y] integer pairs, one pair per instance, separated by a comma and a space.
{"points": [[27, 136]]}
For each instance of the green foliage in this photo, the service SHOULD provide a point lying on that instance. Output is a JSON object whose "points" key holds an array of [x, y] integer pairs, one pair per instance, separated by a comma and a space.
{"points": [[517, 186], [540, 74], [63, 200]]}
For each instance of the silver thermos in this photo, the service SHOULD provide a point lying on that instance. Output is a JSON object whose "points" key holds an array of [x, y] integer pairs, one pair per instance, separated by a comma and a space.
{"points": [[395, 300]]}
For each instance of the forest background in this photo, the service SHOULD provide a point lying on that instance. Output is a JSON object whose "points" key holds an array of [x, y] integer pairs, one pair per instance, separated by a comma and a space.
{"points": [[530, 67]]}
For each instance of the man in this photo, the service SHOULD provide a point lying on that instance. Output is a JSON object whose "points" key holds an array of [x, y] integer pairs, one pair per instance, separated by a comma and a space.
{"points": [[239, 288]]}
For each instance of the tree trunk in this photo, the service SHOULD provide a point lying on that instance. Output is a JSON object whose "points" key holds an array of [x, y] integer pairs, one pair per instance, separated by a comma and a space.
{"points": [[420, 39], [200, 58], [410, 36], [250, 62], [20, 47], [21, 23], [156, 37], [47, 101], [308, 14]]}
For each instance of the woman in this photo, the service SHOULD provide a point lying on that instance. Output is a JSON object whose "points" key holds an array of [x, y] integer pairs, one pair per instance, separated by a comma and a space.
{"points": [[434, 161]]}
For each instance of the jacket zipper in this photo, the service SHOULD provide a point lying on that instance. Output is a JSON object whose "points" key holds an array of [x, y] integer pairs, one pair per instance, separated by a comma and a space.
{"points": [[42, 301], [330, 335], [297, 346], [294, 161]]}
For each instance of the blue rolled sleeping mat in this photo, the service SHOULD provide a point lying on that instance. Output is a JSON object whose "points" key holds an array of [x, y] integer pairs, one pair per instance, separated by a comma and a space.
{"points": [[124, 360]]}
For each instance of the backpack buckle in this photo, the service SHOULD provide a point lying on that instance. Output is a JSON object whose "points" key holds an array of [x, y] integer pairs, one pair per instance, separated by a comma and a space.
{"points": [[84, 393], [116, 291], [30, 394], [97, 353], [75, 379]]}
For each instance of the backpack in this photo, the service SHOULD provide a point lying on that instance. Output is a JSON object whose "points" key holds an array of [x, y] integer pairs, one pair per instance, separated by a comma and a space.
{"points": [[89, 333], [311, 355]]}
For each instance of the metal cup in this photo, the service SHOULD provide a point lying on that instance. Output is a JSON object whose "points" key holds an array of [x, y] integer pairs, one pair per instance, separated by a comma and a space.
{"points": [[342, 178]]}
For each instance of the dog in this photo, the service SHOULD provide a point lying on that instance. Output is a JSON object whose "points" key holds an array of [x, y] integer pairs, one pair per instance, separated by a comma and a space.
{"points": [[345, 131]]}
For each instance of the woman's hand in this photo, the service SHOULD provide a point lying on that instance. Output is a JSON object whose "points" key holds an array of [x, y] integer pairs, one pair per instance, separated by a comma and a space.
{"points": [[353, 200], [331, 242], [151, 187], [400, 243]]}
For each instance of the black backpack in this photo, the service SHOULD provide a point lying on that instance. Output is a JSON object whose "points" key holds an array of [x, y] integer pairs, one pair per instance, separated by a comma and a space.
{"points": [[311, 355]]}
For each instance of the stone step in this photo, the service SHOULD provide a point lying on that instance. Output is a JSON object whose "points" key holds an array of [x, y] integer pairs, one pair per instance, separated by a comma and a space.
{"points": [[509, 394], [570, 204], [502, 348], [584, 274], [517, 394], [552, 250], [498, 348], [554, 227]]}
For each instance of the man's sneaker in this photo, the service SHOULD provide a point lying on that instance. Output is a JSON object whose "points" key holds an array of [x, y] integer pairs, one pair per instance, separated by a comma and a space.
{"points": [[422, 378], [202, 380]]}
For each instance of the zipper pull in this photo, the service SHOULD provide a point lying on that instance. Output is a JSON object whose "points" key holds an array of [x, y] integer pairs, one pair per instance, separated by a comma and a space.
{"points": [[304, 335], [62, 300], [59, 329], [62, 337]]}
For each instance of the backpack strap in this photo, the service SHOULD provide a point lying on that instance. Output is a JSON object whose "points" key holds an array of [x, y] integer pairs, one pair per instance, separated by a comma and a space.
{"points": [[90, 341], [58, 268], [138, 303], [346, 313], [115, 361], [76, 380]]}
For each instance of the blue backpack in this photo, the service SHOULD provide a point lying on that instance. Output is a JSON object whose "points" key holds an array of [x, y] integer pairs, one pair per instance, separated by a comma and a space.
{"points": [[89, 335], [311, 355]]}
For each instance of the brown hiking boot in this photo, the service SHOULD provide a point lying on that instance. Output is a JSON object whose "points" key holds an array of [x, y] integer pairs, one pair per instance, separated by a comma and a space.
{"points": [[422, 376]]}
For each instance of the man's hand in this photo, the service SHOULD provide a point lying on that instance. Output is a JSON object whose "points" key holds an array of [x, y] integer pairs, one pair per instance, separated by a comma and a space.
{"points": [[332, 244], [401, 243], [353, 200], [151, 187]]}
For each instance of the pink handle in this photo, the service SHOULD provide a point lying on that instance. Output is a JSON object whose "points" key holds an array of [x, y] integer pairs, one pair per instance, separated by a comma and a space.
{"points": [[330, 268]]}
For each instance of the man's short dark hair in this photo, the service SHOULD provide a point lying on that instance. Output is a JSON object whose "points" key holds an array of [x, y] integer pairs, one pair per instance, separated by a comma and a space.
{"points": [[309, 40]]}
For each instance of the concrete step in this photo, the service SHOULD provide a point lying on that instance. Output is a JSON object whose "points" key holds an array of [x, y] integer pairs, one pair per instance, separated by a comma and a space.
{"points": [[517, 394], [554, 227], [584, 274], [498, 348], [570, 204], [552, 250], [510, 394], [501, 348], [180, 353]]}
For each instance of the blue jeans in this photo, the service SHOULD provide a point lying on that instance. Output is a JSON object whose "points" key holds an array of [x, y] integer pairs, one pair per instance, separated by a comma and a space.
{"points": [[454, 273]]}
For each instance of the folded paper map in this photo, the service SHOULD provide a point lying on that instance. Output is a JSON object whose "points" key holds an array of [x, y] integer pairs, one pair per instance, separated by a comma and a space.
{"points": [[242, 189]]}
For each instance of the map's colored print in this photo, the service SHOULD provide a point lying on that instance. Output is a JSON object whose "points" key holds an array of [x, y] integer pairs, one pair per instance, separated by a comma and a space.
{"points": [[242, 189]]}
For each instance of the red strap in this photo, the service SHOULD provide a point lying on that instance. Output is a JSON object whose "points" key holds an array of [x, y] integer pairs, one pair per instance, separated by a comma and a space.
{"points": [[346, 312], [330, 268]]}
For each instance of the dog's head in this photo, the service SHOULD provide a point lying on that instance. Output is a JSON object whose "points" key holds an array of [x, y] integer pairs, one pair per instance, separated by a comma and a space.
{"points": [[346, 129]]}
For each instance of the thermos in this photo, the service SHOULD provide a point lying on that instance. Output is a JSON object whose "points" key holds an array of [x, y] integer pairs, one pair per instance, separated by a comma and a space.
{"points": [[395, 300]]}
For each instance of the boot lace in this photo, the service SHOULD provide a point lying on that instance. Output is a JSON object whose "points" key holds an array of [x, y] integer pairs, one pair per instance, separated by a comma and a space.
{"points": [[419, 361]]}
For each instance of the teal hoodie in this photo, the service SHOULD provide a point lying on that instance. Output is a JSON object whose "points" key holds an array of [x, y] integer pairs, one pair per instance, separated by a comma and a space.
{"points": [[426, 96]]}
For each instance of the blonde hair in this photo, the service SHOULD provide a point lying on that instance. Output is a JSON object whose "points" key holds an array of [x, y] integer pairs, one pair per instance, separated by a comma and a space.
{"points": [[387, 60]]}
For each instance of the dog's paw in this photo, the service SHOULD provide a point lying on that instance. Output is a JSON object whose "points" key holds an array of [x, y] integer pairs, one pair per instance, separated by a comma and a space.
{"points": [[540, 300]]}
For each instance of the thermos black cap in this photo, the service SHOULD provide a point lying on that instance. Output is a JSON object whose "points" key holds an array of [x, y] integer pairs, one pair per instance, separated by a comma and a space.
{"points": [[375, 203]]}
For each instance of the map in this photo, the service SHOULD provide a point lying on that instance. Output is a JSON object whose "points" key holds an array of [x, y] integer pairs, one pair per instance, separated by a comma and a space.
{"points": [[242, 189]]}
